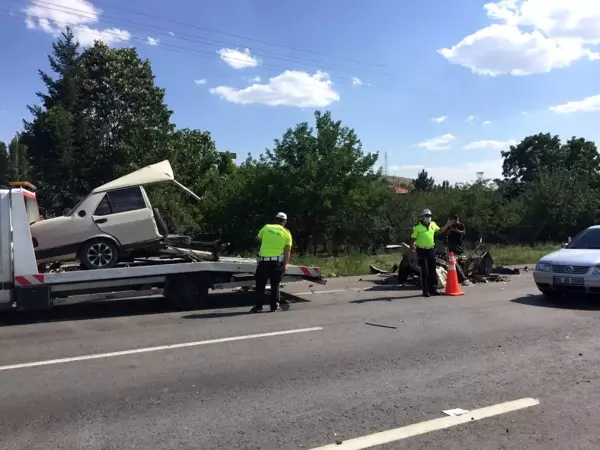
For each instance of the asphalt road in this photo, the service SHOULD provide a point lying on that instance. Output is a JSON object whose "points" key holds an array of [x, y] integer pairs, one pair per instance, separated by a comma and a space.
{"points": [[339, 380]]}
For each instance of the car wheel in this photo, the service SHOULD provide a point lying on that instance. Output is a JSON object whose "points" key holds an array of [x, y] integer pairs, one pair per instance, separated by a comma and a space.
{"points": [[99, 254]]}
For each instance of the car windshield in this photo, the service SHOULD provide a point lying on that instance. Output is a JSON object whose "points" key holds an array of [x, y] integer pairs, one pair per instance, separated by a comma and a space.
{"points": [[587, 239]]}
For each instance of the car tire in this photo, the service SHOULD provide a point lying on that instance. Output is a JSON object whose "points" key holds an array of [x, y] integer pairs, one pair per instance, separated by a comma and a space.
{"points": [[99, 254]]}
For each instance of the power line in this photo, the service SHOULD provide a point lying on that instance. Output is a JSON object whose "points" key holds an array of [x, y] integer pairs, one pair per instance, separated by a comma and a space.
{"points": [[195, 52], [196, 39], [181, 36], [176, 22]]}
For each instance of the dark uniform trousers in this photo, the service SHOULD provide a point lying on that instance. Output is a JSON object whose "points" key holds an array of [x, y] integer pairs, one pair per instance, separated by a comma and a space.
{"points": [[271, 271], [427, 263]]}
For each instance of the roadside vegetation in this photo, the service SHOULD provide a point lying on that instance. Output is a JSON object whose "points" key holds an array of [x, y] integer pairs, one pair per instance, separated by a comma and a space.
{"points": [[102, 116]]}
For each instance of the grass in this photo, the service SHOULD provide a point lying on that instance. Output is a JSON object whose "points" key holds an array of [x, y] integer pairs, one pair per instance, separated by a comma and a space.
{"points": [[358, 264]]}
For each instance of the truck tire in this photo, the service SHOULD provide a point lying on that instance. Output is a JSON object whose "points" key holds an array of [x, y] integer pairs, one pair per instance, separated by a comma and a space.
{"points": [[99, 254], [186, 291]]}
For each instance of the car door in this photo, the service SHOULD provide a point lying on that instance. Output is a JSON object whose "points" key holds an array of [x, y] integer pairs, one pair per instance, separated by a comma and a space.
{"points": [[125, 215]]}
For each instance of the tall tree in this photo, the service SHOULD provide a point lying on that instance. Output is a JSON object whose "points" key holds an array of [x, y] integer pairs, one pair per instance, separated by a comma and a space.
{"points": [[320, 173], [128, 124], [423, 182], [19, 159], [53, 136], [4, 164]]}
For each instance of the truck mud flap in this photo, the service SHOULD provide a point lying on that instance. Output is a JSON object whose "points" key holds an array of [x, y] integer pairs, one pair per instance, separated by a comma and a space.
{"points": [[34, 298]]}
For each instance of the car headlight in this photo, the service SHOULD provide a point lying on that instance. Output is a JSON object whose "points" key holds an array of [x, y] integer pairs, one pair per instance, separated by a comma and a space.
{"points": [[596, 270], [543, 267]]}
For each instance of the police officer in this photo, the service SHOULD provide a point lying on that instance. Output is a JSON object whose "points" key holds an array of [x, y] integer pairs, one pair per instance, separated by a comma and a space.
{"points": [[275, 248], [423, 237]]}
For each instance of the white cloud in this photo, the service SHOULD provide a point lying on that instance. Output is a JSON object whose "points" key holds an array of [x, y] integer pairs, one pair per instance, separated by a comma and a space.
{"points": [[533, 36], [256, 79], [290, 88], [470, 119], [152, 41], [460, 173], [490, 145], [171, 33], [486, 122], [588, 104], [524, 113], [356, 81], [438, 143], [200, 81], [52, 18], [238, 59], [439, 119]]}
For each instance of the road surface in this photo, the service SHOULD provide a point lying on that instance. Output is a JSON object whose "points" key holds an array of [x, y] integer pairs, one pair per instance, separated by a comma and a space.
{"points": [[355, 361]]}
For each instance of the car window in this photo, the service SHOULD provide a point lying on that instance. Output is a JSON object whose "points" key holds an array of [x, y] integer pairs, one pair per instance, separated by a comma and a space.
{"points": [[103, 208], [587, 239], [124, 200]]}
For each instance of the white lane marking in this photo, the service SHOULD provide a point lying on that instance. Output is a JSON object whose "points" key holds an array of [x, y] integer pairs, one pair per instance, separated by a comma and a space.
{"points": [[154, 349], [416, 429]]}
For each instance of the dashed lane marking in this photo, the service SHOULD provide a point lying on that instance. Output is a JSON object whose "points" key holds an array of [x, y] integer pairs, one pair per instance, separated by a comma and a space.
{"points": [[416, 429], [154, 349]]}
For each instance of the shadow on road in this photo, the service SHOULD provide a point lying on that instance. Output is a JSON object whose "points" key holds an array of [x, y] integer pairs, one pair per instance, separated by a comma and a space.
{"points": [[133, 307], [567, 302], [216, 315]]}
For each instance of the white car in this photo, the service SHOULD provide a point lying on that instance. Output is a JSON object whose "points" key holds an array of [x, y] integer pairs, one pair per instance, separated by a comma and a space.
{"points": [[573, 269], [114, 221]]}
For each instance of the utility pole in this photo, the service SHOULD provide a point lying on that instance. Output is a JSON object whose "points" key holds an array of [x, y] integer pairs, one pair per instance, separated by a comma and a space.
{"points": [[385, 164]]}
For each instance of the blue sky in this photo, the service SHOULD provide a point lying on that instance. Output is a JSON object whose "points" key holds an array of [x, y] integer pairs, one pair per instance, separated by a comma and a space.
{"points": [[495, 71]]}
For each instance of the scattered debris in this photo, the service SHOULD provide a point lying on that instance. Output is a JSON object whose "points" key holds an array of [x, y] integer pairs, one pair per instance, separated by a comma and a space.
{"points": [[506, 270], [455, 412], [382, 326], [338, 442]]}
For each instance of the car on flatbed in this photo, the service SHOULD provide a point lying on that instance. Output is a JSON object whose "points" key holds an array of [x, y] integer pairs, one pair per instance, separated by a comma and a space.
{"points": [[114, 222], [574, 269]]}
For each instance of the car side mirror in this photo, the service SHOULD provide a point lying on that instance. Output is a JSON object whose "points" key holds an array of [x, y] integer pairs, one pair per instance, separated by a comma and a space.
{"points": [[66, 212], [81, 213], [564, 244]]}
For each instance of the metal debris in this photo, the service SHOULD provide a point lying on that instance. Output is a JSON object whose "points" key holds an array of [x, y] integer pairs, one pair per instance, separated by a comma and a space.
{"points": [[455, 412], [382, 326]]}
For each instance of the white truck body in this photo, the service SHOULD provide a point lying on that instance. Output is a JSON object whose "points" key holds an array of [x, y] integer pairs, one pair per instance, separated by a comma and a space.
{"points": [[22, 287]]}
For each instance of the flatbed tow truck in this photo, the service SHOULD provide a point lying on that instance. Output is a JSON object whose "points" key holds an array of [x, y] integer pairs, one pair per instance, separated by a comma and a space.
{"points": [[184, 283]]}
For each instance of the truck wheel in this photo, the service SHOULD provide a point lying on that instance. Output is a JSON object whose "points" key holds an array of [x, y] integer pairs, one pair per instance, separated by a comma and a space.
{"points": [[99, 254], [186, 291]]}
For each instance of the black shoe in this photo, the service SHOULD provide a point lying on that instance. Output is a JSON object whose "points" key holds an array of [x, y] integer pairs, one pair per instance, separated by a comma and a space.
{"points": [[256, 309], [426, 294], [436, 292], [274, 308]]}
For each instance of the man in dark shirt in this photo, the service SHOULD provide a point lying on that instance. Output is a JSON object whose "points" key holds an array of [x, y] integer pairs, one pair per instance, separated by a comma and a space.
{"points": [[456, 234]]}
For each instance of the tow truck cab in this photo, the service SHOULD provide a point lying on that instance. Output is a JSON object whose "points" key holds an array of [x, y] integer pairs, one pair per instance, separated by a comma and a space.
{"points": [[18, 199]]}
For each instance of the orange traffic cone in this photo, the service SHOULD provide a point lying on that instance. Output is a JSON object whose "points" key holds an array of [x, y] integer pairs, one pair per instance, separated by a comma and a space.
{"points": [[452, 286]]}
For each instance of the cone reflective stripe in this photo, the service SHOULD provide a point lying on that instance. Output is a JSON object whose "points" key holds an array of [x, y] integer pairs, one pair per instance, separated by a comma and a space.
{"points": [[452, 286]]}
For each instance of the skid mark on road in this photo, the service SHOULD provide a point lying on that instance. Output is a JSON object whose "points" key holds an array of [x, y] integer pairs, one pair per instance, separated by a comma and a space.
{"points": [[416, 429], [154, 349]]}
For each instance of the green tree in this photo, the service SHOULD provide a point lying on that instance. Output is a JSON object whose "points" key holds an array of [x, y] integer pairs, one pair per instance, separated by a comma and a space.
{"points": [[19, 159], [319, 173], [53, 136], [423, 182], [128, 124], [4, 164]]}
